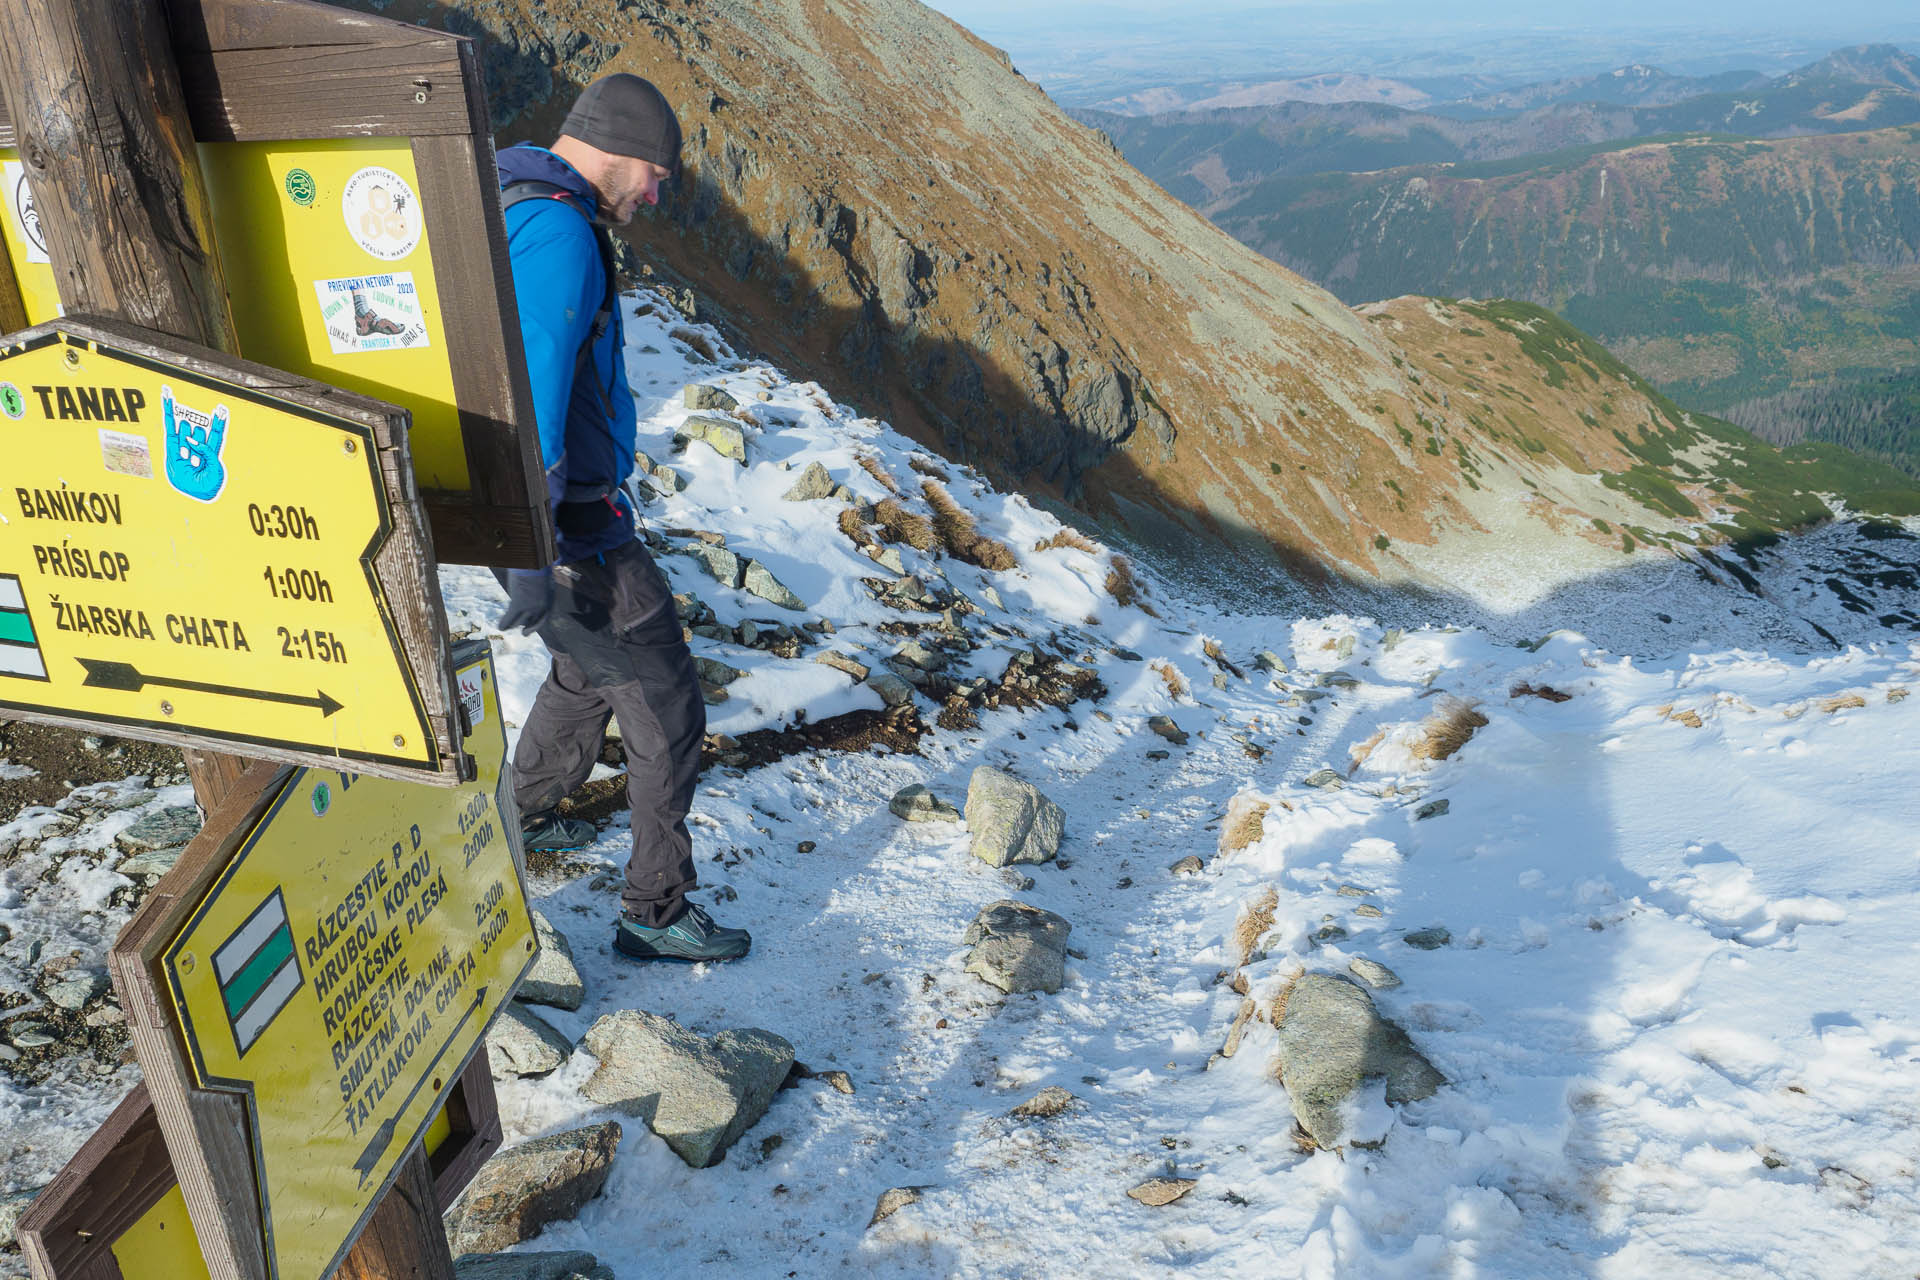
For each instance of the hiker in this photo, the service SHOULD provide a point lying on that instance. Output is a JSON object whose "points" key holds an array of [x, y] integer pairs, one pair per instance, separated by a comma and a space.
{"points": [[604, 611]]}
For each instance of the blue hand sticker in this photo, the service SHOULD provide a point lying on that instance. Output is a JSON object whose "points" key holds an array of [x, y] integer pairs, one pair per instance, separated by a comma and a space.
{"points": [[193, 451]]}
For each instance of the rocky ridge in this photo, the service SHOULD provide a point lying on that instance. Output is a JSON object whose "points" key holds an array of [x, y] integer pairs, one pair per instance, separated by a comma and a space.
{"points": [[999, 282]]}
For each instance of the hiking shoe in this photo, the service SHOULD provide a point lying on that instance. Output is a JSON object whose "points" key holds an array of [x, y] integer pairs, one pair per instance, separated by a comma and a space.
{"points": [[692, 938], [548, 832]]}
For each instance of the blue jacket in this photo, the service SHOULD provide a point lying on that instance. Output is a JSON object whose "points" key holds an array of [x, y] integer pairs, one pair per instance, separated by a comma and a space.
{"points": [[586, 430]]}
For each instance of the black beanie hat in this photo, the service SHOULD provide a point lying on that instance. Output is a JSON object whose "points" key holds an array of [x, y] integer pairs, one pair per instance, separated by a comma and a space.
{"points": [[626, 116]]}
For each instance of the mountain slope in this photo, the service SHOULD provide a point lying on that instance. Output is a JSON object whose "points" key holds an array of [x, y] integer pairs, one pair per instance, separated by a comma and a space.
{"points": [[875, 197], [1724, 269]]}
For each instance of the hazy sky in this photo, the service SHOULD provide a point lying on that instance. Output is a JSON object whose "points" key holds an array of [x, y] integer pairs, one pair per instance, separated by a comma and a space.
{"points": [[1798, 15], [1083, 50]]}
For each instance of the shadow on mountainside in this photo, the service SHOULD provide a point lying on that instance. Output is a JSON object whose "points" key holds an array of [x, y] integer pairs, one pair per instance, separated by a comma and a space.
{"points": [[706, 251]]}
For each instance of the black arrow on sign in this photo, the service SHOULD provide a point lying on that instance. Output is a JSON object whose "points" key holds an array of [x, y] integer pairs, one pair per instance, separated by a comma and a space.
{"points": [[383, 1136], [125, 676]]}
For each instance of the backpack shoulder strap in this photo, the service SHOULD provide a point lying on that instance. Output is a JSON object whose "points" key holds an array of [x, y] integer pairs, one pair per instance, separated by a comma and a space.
{"points": [[536, 189]]}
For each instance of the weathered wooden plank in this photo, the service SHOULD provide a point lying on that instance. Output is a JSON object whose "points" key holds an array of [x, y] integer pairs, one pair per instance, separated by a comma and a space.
{"points": [[219, 25], [123, 1170], [473, 1112], [118, 1174], [404, 1240], [325, 91], [208, 1136], [469, 242], [109, 154]]}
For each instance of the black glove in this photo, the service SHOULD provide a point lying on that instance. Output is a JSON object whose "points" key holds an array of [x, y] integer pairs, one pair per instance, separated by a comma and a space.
{"points": [[529, 598]]}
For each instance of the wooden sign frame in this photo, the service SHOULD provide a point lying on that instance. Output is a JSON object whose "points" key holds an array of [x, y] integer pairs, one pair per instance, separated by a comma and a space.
{"points": [[404, 565], [287, 70], [123, 1170]]}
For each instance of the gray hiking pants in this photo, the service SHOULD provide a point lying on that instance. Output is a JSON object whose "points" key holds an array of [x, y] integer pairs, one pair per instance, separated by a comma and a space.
{"points": [[617, 651]]}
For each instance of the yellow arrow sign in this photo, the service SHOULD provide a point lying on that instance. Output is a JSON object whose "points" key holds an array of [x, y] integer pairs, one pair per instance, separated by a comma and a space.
{"points": [[182, 554], [344, 968]]}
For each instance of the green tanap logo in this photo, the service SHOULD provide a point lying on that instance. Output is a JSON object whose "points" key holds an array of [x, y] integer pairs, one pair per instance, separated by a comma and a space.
{"points": [[12, 403], [322, 800], [300, 188]]}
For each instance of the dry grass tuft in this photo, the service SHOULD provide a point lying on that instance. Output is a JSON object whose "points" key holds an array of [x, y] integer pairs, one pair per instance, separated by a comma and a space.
{"points": [[1121, 584], [1253, 924], [1690, 717], [1176, 684], [1245, 822], [1547, 691], [695, 341], [871, 464], [1361, 752], [897, 524], [927, 467], [1219, 659], [1071, 539], [1447, 730], [854, 527], [1277, 1011], [957, 532], [1842, 702]]}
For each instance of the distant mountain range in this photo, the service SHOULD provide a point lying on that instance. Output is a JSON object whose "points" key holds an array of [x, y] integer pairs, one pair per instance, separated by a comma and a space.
{"points": [[1207, 157], [1734, 246]]}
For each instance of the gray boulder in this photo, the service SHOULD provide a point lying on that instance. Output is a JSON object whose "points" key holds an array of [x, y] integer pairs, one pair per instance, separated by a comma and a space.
{"points": [[722, 564], [1166, 728], [914, 803], [892, 689], [697, 396], [553, 980], [167, 829], [715, 672], [76, 988], [522, 1189], [924, 657], [1331, 1038], [522, 1043], [1162, 1191], [722, 435], [892, 1201], [759, 580], [151, 865], [844, 662], [1018, 948], [1045, 1105], [530, 1266], [698, 1094], [814, 483], [1373, 973], [1010, 820]]}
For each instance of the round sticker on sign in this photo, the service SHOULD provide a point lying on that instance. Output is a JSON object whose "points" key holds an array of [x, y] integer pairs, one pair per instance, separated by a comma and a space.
{"points": [[383, 216]]}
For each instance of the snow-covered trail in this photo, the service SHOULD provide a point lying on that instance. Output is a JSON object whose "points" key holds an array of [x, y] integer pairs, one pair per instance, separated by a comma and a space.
{"points": [[1663, 927]]}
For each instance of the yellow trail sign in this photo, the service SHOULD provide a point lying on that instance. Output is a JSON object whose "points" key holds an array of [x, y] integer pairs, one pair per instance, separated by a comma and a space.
{"points": [[190, 556], [344, 968]]}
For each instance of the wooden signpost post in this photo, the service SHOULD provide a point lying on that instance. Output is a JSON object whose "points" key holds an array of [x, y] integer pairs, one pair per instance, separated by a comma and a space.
{"points": [[225, 535]]}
